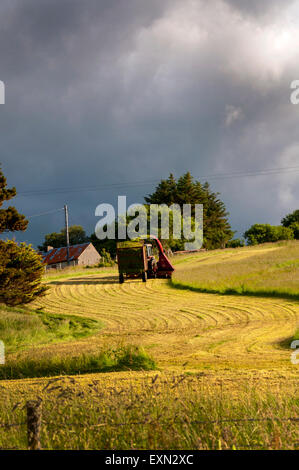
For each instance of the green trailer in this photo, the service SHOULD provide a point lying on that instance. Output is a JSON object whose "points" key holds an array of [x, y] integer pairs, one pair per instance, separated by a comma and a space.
{"points": [[132, 259]]}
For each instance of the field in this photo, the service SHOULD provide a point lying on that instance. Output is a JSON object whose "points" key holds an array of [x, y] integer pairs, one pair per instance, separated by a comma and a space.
{"points": [[223, 377], [271, 269]]}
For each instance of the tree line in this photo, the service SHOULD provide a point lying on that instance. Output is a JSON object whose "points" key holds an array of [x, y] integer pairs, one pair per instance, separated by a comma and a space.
{"points": [[186, 190], [21, 267], [216, 227]]}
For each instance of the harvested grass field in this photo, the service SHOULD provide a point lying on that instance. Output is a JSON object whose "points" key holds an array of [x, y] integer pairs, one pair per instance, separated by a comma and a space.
{"points": [[220, 358]]}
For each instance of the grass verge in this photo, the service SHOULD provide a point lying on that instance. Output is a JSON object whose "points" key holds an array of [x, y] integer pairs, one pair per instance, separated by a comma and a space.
{"points": [[240, 290], [21, 329], [113, 360], [162, 412]]}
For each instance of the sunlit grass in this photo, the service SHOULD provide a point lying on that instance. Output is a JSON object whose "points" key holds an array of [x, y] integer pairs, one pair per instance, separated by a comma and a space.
{"points": [[123, 358], [55, 274], [225, 379], [271, 269], [158, 412], [24, 328]]}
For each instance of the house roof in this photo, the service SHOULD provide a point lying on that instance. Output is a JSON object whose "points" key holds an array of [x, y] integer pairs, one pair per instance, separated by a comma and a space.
{"points": [[59, 255]]}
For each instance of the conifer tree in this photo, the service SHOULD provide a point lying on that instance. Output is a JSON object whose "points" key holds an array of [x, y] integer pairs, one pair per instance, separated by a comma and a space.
{"points": [[10, 219], [21, 268], [216, 228]]}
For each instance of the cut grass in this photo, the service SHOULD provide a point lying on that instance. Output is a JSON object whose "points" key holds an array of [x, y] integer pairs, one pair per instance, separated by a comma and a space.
{"points": [[153, 313], [267, 270], [21, 329], [124, 358]]}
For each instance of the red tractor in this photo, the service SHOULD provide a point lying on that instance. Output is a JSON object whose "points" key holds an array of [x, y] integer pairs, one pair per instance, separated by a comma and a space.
{"points": [[136, 258]]}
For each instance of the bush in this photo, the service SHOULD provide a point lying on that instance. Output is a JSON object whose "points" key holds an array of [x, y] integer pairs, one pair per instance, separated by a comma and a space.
{"points": [[265, 233], [290, 219], [295, 228], [21, 272], [236, 243], [106, 259]]}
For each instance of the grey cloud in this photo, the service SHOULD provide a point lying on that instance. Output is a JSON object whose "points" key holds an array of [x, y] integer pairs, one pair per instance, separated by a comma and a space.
{"points": [[260, 8], [111, 91]]}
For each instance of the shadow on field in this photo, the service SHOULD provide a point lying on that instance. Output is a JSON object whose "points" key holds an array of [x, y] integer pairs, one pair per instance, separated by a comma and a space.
{"points": [[286, 343], [238, 292], [87, 281]]}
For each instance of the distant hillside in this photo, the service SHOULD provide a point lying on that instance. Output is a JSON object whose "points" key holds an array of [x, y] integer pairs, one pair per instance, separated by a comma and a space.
{"points": [[269, 269]]}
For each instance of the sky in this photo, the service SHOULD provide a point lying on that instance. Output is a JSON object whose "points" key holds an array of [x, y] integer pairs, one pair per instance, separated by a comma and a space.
{"points": [[116, 94]]}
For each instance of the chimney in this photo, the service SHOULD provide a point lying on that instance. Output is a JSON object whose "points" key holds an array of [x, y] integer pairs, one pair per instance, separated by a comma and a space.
{"points": [[49, 248]]}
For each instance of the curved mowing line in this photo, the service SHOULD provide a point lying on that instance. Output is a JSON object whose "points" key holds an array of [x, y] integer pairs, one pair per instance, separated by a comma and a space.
{"points": [[184, 324]]}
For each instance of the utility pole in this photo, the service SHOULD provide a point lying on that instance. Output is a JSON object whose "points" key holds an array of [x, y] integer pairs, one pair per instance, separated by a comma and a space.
{"points": [[67, 234]]}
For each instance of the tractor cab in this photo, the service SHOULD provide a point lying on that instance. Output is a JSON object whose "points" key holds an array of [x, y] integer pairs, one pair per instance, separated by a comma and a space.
{"points": [[149, 250], [151, 261]]}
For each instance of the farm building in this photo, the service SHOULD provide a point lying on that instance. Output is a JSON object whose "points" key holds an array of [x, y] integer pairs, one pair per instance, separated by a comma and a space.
{"points": [[79, 255]]}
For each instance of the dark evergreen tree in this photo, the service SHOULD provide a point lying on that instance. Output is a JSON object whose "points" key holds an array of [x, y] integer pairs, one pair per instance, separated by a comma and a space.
{"points": [[216, 228], [166, 191], [21, 272], [21, 267], [10, 219]]}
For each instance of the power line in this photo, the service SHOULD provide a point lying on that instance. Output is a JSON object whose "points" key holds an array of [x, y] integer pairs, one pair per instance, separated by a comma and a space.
{"points": [[240, 174], [44, 213]]}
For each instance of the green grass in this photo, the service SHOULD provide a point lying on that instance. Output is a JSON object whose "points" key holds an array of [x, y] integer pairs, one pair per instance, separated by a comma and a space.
{"points": [[21, 329], [161, 412], [270, 270], [121, 359], [56, 274]]}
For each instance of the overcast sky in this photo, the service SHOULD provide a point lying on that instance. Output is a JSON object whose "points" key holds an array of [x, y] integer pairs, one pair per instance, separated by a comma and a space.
{"points": [[126, 91]]}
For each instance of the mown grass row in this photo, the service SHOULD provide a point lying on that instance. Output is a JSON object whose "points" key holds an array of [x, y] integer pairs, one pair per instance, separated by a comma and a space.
{"points": [[164, 412]]}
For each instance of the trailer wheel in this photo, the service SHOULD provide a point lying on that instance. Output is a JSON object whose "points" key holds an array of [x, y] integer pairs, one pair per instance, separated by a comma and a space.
{"points": [[121, 279], [144, 276]]}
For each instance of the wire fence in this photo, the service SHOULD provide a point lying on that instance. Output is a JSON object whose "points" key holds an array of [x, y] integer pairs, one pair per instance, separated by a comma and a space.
{"points": [[35, 421]]}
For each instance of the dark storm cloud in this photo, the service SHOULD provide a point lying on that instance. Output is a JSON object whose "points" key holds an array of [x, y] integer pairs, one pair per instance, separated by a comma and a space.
{"points": [[111, 91], [260, 7]]}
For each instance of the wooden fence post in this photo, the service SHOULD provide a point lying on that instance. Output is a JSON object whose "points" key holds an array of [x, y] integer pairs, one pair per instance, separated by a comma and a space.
{"points": [[34, 418]]}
